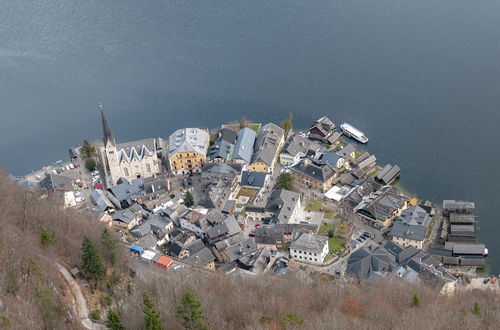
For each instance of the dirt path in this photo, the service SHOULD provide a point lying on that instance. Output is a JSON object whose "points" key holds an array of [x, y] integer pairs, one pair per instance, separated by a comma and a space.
{"points": [[79, 304]]}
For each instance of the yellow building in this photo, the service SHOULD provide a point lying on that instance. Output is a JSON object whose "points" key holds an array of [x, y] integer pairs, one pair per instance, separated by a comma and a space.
{"points": [[268, 144], [187, 150]]}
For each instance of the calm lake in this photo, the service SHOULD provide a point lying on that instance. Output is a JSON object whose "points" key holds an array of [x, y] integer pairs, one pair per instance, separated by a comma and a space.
{"points": [[420, 78]]}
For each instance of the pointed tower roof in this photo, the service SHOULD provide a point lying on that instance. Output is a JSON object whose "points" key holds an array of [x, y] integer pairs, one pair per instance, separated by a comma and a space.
{"points": [[107, 136]]}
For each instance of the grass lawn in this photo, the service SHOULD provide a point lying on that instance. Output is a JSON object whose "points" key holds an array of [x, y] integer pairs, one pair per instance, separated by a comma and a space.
{"points": [[342, 229], [324, 228], [316, 206], [372, 174], [329, 214], [250, 193], [334, 244], [255, 127]]}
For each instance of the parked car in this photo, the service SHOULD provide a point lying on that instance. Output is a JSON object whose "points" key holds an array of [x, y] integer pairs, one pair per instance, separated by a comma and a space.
{"points": [[71, 166], [79, 199], [177, 267], [257, 225], [67, 168], [251, 234], [95, 173], [486, 280], [62, 169]]}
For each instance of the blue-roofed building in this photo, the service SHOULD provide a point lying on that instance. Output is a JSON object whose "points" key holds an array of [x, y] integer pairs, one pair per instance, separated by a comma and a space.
{"points": [[332, 159], [244, 145], [220, 151], [136, 249]]}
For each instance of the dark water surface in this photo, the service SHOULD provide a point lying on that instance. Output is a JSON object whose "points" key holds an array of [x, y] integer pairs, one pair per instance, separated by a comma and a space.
{"points": [[420, 78]]}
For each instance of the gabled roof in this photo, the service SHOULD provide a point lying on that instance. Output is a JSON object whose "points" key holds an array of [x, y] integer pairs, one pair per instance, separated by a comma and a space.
{"points": [[227, 134], [125, 216], [139, 149], [57, 182], [269, 234], [267, 143], [324, 125], [221, 149], [381, 204], [241, 249], [282, 203], [253, 179], [228, 227], [300, 145], [100, 199], [200, 258], [388, 174], [412, 224], [154, 223], [346, 151], [311, 169], [244, 144], [188, 140], [127, 189], [330, 158], [222, 168]]}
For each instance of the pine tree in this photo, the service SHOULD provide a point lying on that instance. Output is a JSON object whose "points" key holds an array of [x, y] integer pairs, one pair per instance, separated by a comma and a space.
{"points": [[114, 321], [188, 199], [110, 246], [476, 310], [285, 181], [415, 299], [151, 315], [46, 238], [190, 313], [92, 265], [88, 149]]}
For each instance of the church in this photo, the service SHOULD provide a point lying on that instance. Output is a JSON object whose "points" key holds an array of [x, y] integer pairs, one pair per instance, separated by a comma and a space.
{"points": [[130, 160]]}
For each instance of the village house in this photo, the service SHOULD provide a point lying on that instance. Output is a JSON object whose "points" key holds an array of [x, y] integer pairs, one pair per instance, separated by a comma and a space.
{"points": [[411, 228], [220, 151], [312, 174], [243, 148], [130, 160], [191, 221], [187, 150], [223, 230], [321, 130], [126, 219], [382, 206], [332, 159], [296, 148], [282, 206], [309, 248], [460, 207], [203, 258], [268, 143]]}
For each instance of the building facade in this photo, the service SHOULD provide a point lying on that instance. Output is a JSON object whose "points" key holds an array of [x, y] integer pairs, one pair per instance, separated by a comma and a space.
{"points": [[131, 160], [187, 150]]}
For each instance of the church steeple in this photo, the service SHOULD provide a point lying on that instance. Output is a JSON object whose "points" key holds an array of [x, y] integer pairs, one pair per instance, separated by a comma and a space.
{"points": [[107, 136]]}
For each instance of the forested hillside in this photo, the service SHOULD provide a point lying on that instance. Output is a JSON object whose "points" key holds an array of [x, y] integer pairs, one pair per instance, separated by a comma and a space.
{"points": [[37, 235]]}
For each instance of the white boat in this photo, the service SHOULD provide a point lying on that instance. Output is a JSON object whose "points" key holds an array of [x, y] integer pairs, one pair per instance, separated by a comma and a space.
{"points": [[352, 132]]}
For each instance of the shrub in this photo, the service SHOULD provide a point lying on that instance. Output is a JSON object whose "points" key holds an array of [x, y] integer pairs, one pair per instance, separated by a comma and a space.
{"points": [[90, 164], [95, 315]]}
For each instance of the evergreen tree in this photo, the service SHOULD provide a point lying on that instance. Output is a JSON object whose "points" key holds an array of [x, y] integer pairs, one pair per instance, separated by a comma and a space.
{"points": [[151, 315], [114, 321], [190, 313], [110, 246], [46, 238], [88, 149], [415, 299], [188, 199], [476, 310], [92, 265], [285, 181], [90, 164]]}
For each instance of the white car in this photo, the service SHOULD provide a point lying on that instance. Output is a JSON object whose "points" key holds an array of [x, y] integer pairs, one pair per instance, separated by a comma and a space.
{"points": [[79, 199], [71, 166], [68, 168], [95, 173]]}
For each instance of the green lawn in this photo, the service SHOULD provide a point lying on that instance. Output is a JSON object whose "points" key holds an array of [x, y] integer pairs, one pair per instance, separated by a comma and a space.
{"points": [[357, 153], [316, 206], [329, 214], [334, 244], [372, 174], [324, 228]]}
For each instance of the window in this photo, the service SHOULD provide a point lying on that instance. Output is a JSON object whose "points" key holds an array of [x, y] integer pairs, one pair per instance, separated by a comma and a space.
{"points": [[315, 259], [148, 167], [125, 170]]}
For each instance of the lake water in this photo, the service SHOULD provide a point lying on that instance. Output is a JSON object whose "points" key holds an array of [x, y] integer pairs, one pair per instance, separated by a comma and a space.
{"points": [[420, 78]]}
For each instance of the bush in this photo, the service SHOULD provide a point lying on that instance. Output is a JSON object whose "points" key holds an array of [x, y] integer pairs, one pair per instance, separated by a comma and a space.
{"points": [[171, 196], [46, 238], [106, 301], [331, 233], [95, 315], [90, 164]]}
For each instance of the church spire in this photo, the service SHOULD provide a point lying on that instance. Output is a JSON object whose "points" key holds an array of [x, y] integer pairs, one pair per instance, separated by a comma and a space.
{"points": [[107, 137]]}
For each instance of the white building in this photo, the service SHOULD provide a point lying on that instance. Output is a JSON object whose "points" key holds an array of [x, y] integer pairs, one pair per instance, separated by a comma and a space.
{"points": [[131, 160], [309, 248]]}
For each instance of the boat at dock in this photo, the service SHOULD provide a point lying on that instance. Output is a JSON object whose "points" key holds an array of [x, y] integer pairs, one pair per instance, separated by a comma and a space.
{"points": [[352, 132]]}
